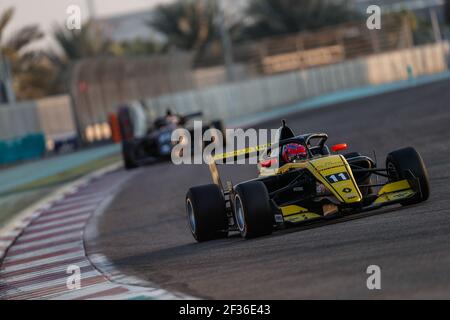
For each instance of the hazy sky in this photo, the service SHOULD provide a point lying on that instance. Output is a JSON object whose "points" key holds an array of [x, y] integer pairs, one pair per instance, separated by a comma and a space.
{"points": [[46, 13]]}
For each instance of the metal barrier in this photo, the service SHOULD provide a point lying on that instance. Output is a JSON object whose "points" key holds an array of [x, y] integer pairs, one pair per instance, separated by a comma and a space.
{"points": [[238, 99], [31, 146], [28, 129]]}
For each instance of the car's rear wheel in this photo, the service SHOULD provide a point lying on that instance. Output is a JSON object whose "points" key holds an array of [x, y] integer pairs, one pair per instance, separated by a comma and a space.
{"points": [[399, 162], [206, 213], [129, 155], [252, 209]]}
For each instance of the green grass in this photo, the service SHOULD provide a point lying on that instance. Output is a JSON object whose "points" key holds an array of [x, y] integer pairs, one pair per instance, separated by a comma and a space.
{"points": [[15, 203], [68, 175], [18, 199]]}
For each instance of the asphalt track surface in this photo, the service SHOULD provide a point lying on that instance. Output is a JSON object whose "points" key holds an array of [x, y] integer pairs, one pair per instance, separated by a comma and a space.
{"points": [[144, 231]]}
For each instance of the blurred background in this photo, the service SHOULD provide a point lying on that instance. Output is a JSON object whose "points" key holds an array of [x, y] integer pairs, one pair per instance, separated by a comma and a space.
{"points": [[231, 59], [58, 84]]}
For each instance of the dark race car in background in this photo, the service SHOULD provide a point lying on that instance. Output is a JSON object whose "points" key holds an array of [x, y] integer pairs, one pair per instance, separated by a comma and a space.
{"points": [[143, 144]]}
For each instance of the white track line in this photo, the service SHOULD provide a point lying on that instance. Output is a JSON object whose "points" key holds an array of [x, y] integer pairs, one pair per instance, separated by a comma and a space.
{"points": [[60, 212], [51, 283], [70, 228], [48, 241], [29, 275], [15, 257], [57, 217], [64, 206], [38, 263], [83, 199], [82, 292], [58, 222]]}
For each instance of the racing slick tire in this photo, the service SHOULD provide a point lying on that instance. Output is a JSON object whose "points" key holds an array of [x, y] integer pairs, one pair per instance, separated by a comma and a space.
{"points": [[129, 155], [399, 162], [206, 213], [252, 209]]}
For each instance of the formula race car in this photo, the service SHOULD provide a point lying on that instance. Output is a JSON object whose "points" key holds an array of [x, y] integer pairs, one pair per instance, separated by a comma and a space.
{"points": [[319, 185], [142, 145]]}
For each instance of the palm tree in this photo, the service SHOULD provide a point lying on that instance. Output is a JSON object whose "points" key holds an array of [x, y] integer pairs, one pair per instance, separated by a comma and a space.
{"points": [[87, 42], [140, 47], [38, 77], [278, 17], [23, 64], [22, 38], [187, 24], [75, 45]]}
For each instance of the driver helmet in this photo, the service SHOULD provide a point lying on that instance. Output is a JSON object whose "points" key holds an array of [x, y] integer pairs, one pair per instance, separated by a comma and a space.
{"points": [[294, 151], [171, 117]]}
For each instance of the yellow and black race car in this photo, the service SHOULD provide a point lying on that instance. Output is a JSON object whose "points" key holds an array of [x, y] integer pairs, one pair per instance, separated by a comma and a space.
{"points": [[323, 185]]}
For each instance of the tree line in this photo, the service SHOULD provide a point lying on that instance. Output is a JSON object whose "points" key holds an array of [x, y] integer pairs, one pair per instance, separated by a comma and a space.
{"points": [[190, 25]]}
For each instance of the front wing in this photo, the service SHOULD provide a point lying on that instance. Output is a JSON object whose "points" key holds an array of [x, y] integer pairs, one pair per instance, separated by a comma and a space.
{"points": [[390, 194]]}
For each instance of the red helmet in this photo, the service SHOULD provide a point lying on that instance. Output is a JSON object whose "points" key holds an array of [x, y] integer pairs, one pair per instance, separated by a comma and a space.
{"points": [[294, 151]]}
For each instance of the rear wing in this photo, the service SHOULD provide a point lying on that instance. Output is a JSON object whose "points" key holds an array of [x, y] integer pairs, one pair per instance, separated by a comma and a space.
{"points": [[192, 116], [236, 154]]}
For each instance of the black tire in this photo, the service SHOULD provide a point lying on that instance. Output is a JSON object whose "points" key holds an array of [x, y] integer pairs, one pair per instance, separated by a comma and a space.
{"points": [[399, 162], [129, 155], [206, 213], [256, 217]]}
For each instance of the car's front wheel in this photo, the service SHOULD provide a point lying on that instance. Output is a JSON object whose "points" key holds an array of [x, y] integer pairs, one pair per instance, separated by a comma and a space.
{"points": [[399, 162], [206, 213], [252, 209]]}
